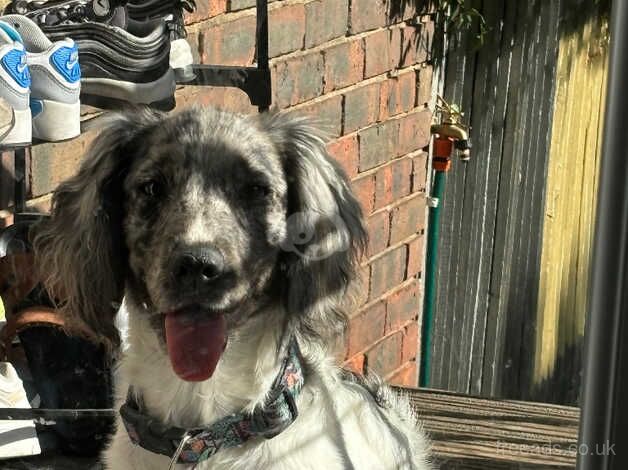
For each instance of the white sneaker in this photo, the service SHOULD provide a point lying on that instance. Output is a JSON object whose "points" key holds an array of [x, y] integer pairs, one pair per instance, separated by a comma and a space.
{"points": [[15, 82], [56, 81], [17, 438]]}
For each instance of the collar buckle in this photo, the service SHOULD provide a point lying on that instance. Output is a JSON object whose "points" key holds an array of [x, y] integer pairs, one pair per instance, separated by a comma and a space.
{"points": [[177, 453]]}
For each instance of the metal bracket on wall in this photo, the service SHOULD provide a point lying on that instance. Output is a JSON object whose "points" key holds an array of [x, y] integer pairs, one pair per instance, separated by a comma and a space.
{"points": [[254, 81]]}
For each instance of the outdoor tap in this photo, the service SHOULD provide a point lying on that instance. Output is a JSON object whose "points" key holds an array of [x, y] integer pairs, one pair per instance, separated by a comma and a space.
{"points": [[458, 134], [450, 129]]}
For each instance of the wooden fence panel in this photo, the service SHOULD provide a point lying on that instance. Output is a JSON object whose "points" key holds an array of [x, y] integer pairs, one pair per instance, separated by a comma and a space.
{"points": [[490, 328]]}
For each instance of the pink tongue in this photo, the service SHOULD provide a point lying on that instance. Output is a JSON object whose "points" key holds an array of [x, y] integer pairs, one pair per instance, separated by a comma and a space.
{"points": [[195, 343]]}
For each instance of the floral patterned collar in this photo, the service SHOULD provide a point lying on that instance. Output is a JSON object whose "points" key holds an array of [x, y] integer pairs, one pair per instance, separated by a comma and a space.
{"points": [[195, 445]]}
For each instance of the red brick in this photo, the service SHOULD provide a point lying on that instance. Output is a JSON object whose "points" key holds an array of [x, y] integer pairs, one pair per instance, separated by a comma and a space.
{"points": [[216, 7], [414, 131], [407, 376], [325, 20], [230, 43], [361, 285], [378, 227], [194, 39], [355, 364], [345, 151], [364, 190], [419, 172], [367, 15], [55, 162], [384, 187], [409, 45], [408, 218], [402, 178], [230, 99], [298, 79], [415, 44], [378, 144], [328, 114], [401, 94], [384, 92], [366, 328], [287, 29], [344, 64], [416, 253], [403, 11], [206, 10], [424, 80], [427, 38], [377, 48], [403, 306], [394, 48], [385, 356], [410, 342], [235, 5], [361, 107], [387, 271], [393, 182], [6, 178]]}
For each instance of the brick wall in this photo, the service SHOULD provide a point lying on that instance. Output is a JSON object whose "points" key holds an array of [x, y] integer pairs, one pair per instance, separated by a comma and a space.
{"points": [[362, 66]]}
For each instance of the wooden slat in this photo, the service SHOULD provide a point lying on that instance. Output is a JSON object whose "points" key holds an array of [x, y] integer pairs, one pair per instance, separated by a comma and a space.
{"points": [[569, 212], [488, 338], [459, 91], [466, 431]]}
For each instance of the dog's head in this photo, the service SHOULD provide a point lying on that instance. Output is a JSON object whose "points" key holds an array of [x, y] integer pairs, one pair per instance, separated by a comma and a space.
{"points": [[202, 219]]}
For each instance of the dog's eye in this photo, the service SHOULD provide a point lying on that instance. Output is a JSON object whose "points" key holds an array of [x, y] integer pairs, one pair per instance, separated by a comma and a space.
{"points": [[258, 190], [151, 189]]}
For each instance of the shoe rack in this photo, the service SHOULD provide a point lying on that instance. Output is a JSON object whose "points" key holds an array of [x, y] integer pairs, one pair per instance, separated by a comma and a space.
{"points": [[255, 81]]}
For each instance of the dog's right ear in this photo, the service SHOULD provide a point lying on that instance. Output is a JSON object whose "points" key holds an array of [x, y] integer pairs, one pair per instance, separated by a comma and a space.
{"points": [[80, 250]]}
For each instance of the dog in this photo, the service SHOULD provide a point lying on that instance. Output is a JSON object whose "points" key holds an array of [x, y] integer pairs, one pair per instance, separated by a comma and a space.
{"points": [[233, 242]]}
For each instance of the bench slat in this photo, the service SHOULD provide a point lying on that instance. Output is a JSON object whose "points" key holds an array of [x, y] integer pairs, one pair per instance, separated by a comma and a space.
{"points": [[469, 432]]}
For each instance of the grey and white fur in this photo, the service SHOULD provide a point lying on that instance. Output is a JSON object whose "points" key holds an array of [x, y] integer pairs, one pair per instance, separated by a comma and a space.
{"points": [[261, 193]]}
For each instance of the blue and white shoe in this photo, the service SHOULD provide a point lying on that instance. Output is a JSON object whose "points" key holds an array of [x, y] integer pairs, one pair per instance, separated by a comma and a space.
{"points": [[56, 81], [15, 81]]}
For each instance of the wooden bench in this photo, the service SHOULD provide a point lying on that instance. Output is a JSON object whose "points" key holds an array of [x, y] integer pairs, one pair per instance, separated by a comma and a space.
{"points": [[482, 434], [467, 434]]}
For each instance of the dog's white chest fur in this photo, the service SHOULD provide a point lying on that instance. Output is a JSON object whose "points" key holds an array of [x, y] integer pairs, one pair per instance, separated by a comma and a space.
{"points": [[340, 426]]}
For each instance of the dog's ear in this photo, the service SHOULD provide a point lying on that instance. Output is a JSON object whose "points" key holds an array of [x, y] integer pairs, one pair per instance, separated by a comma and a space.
{"points": [[80, 250], [325, 230]]}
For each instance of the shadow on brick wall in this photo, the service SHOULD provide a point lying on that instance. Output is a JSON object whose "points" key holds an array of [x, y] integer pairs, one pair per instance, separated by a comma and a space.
{"points": [[401, 9], [424, 45]]}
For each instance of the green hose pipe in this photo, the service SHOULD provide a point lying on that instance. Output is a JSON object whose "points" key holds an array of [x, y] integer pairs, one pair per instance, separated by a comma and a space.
{"points": [[431, 266]]}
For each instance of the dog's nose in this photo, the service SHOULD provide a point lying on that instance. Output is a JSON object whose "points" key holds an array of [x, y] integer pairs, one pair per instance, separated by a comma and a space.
{"points": [[199, 267]]}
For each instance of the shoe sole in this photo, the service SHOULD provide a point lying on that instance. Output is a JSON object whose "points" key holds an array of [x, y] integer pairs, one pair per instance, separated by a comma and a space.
{"points": [[49, 126], [138, 93], [22, 132]]}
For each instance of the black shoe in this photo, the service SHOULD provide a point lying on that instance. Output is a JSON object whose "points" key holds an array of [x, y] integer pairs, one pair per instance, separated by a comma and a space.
{"points": [[121, 59], [180, 51]]}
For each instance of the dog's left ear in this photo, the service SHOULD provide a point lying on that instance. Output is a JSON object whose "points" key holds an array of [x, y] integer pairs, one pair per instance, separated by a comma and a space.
{"points": [[325, 230], [80, 250]]}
